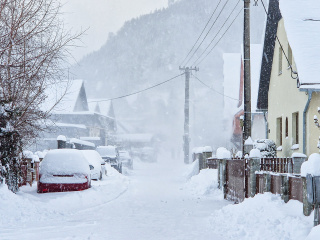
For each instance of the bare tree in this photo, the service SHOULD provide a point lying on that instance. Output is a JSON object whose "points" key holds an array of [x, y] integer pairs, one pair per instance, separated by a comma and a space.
{"points": [[33, 48]]}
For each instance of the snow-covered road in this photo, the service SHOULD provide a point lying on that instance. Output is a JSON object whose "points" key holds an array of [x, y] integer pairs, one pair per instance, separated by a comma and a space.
{"points": [[152, 202]]}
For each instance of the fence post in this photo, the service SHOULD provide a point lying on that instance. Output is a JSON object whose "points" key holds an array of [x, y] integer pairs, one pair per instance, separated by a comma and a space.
{"points": [[62, 141], [222, 174], [284, 187], [254, 164], [297, 160], [307, 207], [267, 180]]}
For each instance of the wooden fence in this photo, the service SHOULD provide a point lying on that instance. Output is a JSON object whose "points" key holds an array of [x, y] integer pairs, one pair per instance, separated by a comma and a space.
{"points": [[241, 177]]}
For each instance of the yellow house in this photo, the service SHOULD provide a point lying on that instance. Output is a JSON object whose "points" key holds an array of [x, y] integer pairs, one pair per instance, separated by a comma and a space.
{"points": [[289, 90]]}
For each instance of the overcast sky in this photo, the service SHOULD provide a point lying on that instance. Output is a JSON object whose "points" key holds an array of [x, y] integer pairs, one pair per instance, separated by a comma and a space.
{"points": [[103, 17]]}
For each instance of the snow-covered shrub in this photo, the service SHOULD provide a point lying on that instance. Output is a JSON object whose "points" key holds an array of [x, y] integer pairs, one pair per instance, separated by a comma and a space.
{"points": [[267, 147]]}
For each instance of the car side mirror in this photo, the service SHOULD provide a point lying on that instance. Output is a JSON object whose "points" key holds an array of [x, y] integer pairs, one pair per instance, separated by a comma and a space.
{"points": [[91, 167]]}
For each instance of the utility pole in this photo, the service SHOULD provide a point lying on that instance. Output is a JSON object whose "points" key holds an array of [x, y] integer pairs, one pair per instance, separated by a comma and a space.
{"points": [[247, 74], [186, 137]]}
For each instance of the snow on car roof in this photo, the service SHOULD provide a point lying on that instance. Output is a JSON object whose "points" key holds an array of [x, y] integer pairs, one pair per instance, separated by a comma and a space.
{"points": [[92, 156], [64, 161]]}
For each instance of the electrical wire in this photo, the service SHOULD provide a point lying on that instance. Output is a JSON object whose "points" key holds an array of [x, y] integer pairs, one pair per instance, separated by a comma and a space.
{"points": [[289, 64], [218, 31], [213, 89], [143, 90], [195, 51], [198, 63], [201, 33]]}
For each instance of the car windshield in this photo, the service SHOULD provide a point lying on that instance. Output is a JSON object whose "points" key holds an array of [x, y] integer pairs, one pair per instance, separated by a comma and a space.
{"points": [[107, 151]]}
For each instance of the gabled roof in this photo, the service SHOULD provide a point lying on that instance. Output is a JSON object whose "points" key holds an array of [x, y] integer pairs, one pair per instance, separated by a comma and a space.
{"points": [[71, 94], [101, 106], [274, 16], [302, 24]]}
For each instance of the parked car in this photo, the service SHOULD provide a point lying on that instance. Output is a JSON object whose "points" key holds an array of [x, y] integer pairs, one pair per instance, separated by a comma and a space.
{"points": [[94, 158], [64, 170], [110, 155], [126, 159]]}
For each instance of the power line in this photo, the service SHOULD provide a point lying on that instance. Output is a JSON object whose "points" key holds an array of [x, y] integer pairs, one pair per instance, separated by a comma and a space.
{"points": [[292, 72], [198, 63], [218, 32], [207, 32], [214, 89], [143, 90], [201, 33]]}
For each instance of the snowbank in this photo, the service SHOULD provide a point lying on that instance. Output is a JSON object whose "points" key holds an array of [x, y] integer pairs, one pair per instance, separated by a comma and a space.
{"points": [[265, 216], [29, 206], [312, 166], [191, 170], [205, 183], [314, 234]]}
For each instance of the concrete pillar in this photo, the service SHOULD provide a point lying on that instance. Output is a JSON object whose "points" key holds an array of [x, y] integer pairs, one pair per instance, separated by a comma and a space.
{"points": [[284, 187], [267, 181], [307, 207], [254, 164], [297, 162]]}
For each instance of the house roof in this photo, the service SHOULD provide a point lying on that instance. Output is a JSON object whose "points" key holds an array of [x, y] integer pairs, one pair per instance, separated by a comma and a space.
{"points": [[274, 16], [71, 94], [101, 106], [302, 24]]}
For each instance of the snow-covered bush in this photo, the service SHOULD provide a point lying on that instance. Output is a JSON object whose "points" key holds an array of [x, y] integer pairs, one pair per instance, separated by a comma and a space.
{"points": [[267, 147]]}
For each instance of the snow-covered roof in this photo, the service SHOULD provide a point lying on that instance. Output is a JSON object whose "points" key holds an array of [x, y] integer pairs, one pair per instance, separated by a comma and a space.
{"points": [[301, 21], [70, 94], [100, 106]]}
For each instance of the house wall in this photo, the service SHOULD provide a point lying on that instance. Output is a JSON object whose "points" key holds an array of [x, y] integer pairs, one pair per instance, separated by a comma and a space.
{"points": [[284, 99], [313, 131]]}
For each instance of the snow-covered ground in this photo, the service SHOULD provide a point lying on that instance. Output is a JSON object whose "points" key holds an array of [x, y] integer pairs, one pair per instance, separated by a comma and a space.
{"points": [[154, 201]]}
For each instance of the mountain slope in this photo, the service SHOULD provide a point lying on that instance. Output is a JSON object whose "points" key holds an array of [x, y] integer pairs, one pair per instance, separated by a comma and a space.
{"points": [[149, 49]]}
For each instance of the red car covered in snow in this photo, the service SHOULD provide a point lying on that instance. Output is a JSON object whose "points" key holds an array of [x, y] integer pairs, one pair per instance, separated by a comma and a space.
{"points": [[64, 170]]}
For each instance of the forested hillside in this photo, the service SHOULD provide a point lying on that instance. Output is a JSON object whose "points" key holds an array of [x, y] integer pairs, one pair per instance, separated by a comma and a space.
{"points": [[149, 49]]}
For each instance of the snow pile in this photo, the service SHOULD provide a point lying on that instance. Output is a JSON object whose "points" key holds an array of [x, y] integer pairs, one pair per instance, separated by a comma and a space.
{"points": [[223, 153], [255, 153], [205, 183], [191, 170], [29, 206], [265, 216], [30, 155], [312, 166], [239, 154], [314, 234], [61, 138]]}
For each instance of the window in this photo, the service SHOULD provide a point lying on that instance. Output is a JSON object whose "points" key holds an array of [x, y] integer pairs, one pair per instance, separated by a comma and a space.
{"points": [[295, 128], [279, 131], [287, 127], [289, 56], [280, 60]]}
